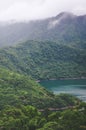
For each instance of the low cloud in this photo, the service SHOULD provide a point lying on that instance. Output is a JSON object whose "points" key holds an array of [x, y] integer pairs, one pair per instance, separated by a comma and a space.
{"points": [[79, 10], [38, 9]]}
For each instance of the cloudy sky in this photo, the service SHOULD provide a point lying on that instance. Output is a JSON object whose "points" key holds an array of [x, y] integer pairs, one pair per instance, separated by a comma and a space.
{"points": [[38, 9]]}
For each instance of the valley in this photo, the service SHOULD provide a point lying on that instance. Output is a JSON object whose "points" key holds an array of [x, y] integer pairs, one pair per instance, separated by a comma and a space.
{"points": [[43, 74]]}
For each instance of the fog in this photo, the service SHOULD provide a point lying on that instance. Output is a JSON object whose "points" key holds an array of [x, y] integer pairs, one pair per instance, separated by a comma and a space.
{"points": [[21, 10]]}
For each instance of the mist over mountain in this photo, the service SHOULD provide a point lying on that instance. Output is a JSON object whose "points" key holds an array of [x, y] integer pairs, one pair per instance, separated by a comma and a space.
{"points": [[59, 41], [65, 27], [46, 49]]}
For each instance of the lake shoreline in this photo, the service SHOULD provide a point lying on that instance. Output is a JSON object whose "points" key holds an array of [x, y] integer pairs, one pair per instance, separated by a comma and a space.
{"points": [[73, 86], [52, 79]]}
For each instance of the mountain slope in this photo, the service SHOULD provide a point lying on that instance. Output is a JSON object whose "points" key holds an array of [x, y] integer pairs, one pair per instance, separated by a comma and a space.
{"points": [[45, 60], [17, 90], [64, 28]]}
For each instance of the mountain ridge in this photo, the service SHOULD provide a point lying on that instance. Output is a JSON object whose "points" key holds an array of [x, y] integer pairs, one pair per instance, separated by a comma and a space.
{"points": [[45, 60], [65, 27]]}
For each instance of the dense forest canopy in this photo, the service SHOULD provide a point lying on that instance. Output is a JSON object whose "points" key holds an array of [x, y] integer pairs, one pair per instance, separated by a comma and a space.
{"points": [[45, 49], [45, 60], [17, 89], [22, 99], [29, 118]]}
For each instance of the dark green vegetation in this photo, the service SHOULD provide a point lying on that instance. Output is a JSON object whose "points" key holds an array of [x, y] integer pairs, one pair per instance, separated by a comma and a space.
{"points": [[63, 56], [29, 118], [45, 60], [59, 52], [16, 89]]}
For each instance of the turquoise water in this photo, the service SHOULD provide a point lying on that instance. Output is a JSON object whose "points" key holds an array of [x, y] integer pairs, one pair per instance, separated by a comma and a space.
{"points": [[75, 87]]}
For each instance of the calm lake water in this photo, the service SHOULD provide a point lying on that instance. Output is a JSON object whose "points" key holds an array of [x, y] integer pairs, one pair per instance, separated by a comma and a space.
{"points": [[76, 87]]}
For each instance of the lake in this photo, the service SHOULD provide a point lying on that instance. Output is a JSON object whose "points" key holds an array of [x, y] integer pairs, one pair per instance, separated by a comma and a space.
{"points": [[75, 87]]}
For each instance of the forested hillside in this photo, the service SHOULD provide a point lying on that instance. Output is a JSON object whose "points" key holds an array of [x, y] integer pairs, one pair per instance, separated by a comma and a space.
{"points": [[65, 28], [45, 60], [17, 90], [53, 48], [29, 118], [18, 96]]}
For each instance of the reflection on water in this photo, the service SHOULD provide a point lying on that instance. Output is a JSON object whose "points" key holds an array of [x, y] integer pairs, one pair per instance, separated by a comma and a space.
{"points": [[77, 90], [74, 87]]}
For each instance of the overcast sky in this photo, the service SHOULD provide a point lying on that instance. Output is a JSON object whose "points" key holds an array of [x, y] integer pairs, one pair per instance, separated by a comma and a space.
{"points": [[36, 9]]}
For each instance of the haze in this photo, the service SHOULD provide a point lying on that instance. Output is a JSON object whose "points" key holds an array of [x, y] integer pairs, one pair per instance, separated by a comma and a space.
{"points": [[24, 10]]}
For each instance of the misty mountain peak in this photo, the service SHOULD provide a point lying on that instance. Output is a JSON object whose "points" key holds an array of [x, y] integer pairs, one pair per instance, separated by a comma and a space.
{"points": [[65, 15], [63, 27]]}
